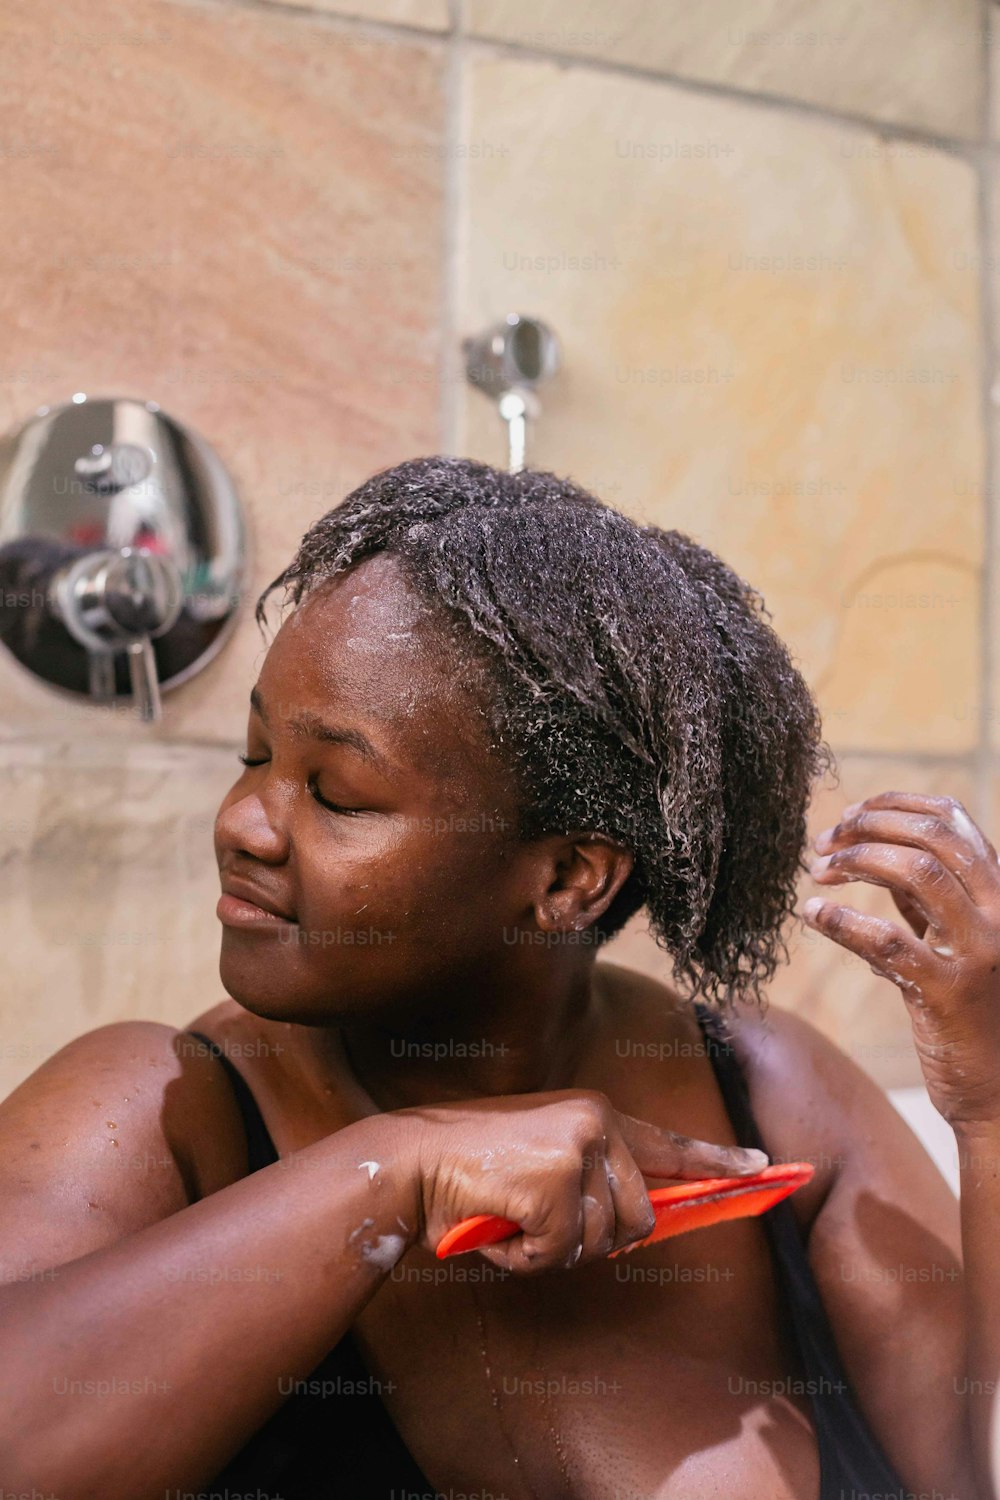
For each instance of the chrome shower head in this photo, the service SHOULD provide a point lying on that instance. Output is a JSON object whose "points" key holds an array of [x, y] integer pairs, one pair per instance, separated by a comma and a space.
{"points": [[507, 362], [517, 353]]}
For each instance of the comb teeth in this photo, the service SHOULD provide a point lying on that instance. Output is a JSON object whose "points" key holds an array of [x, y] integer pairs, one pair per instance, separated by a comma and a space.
{"points": [[682, 1214]]}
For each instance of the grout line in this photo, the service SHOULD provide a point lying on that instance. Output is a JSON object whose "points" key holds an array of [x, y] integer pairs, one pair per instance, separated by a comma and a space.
{"points": [[450, 362], [782, 103], [497, 46], [984, 777], [44, 743], [363, 26], [958, 759]]}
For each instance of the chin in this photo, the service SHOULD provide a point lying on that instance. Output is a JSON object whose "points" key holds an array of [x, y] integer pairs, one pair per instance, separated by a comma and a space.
{"points": [[264, 991]]}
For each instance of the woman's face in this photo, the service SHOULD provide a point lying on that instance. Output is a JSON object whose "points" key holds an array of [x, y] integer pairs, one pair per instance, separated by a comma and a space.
{"points": [[402, 890]]}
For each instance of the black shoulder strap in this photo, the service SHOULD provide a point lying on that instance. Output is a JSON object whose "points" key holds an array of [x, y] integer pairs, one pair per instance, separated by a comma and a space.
{"points": [[260, 1147], [851, 1458]]}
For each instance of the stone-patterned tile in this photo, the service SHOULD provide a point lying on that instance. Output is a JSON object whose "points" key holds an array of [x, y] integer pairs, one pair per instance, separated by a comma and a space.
{"points": [[912, 62], [108, 882], [863, 1013], [770, 341], [431, 15], [976, 707], [239, 216]]}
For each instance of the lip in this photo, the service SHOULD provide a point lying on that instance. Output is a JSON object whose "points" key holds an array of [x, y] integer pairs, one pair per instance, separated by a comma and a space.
{"points": [[243, 905]]}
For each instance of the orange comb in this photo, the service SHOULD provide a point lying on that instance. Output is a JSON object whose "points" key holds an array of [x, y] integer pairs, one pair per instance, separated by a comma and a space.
{"points": [[678, 1209]]}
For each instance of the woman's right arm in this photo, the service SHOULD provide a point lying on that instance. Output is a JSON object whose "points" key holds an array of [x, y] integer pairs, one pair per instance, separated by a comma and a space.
{"points": [[148, 1361], [151, 1318]]}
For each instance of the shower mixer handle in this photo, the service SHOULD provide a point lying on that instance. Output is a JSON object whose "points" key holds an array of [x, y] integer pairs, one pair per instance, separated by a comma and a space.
{"points": [[113, 600]]}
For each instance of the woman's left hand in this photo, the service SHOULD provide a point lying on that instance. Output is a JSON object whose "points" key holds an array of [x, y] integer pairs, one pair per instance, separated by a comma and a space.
{"points": [[944, 877]]}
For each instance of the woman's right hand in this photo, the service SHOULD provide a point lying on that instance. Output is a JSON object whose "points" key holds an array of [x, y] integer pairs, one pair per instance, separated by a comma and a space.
{"points": [[566, 1166]]}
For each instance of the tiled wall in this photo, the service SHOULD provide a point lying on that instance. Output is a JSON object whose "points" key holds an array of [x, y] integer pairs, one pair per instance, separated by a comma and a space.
{"points": [[763, 232]]}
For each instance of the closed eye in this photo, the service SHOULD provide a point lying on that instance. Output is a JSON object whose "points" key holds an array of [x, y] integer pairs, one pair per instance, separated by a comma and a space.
{"points": [[333, 807]]}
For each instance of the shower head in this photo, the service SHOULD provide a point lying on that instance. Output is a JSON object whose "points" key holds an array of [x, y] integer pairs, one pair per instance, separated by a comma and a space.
{"points": [[519, 353], [507, 362]]}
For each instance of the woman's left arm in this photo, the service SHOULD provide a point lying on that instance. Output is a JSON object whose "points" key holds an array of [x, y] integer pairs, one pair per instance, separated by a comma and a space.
{"points": [[944, 878]]}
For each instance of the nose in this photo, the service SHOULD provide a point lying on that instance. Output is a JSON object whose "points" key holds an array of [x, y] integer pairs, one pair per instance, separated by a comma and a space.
{"points": [[245, 824]]}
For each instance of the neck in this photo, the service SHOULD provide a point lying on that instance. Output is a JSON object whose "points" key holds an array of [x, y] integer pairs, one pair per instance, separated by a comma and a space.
{"points": [[518, 1038]]}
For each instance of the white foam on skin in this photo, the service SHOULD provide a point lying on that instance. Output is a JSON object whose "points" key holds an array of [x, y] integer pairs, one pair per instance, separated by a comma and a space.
{"points": [[373, 1167], [382, 1252], [908, 985], [385, 1252], [963, 825]]}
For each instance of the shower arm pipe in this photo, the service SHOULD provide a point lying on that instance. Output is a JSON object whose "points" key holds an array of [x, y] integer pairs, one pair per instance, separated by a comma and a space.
{"points": [[515, 408]]}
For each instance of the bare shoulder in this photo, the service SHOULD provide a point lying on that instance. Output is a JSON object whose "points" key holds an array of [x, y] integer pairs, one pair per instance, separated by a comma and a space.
{"points": [[120, 1128], [813, 1102]]}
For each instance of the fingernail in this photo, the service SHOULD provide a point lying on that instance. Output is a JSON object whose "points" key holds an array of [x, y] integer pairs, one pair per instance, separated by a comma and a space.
{"points": [[812, 906], [850, 811], [754, 1161]]}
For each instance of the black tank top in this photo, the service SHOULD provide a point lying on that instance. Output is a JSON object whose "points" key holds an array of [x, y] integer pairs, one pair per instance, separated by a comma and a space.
{"points": [[303, 1452]]}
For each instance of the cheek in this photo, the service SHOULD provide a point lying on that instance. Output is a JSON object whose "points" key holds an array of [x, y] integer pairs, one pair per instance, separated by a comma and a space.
{"points": [[361, 882], [425, 880]]}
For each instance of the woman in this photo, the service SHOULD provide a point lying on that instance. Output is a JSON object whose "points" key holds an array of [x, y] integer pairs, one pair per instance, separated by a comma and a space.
{"points": [[499, 720]]}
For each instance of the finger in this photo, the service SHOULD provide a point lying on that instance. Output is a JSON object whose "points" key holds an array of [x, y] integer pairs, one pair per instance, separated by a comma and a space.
{"points": [[550, 1230], [934, 891], [947, 807], [663, 1153], [600, 1224], [891, 953], [634, 1216], [934, 831], [912, 913]]}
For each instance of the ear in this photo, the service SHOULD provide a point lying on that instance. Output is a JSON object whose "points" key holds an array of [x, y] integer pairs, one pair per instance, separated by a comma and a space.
{"points": [[580, 875]]}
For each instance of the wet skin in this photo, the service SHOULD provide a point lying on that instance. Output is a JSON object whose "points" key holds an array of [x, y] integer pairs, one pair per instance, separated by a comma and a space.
{"points": [[122, 1158], [655, 1384]]}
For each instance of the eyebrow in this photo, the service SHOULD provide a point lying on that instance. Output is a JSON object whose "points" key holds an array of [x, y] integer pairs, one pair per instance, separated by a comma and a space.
{"points": [[310, 726]]}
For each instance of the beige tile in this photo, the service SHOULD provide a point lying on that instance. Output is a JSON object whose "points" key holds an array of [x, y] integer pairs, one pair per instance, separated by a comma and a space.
{"points": [[108, 883], [770, 339], [431, 15], [862, 1012], [912, 62], [992, 42], [239, 216], [976, 707]]}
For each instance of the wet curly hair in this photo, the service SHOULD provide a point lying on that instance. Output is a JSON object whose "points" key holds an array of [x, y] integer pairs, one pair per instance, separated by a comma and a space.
{"points": [[635, 689]]}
